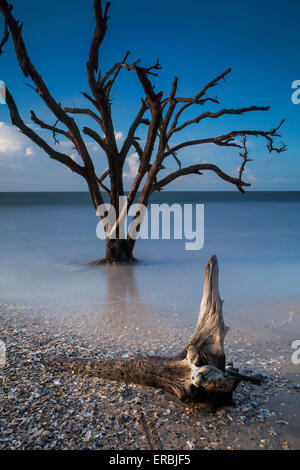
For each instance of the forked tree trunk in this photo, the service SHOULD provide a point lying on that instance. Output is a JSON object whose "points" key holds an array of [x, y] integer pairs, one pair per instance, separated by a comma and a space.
{"points": [[120, 249], [197, 374]]}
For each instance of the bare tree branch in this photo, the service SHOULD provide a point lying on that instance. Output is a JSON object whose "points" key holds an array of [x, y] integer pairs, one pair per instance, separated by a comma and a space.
{"points": [[198, 98], [228, 140], [132, 130], [101, 179], [53, 128], [5, 38], [114, 71], [138, 148], [90, 98], [30, 71], [196, 169], [86, 111], [94, 135], [104, 175], [99, 33], [245, 158], [174, 156], [101, 99], [154, 103], [142, 74], [217, 114], [17, 121], [172, 104]]}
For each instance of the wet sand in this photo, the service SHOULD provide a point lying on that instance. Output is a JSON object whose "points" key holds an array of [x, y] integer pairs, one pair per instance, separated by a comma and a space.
{"points": [[44, 408]]}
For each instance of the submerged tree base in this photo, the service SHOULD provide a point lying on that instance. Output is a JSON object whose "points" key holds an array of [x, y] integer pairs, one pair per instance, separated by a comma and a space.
{"points": [[197, 374], [117, 252], [111, 260]]}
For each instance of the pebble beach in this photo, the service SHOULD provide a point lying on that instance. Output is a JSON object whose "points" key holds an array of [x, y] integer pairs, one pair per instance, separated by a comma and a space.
{"points": [[45, 408]]}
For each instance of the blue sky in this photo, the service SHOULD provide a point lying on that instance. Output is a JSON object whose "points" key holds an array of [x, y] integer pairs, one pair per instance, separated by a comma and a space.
{"points": [[195, 41]]}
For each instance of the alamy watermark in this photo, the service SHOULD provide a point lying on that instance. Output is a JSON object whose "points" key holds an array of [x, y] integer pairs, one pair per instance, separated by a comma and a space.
{"points": [[295, 97], [2, 353], [158, 221], [2, 92], [296, 353]]}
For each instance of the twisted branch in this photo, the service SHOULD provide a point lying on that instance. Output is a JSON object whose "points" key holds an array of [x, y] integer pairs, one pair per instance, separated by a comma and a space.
{"points": [[196, 169], [197, 99], [228, 140], [86, 111], [17, 121], [101, 179], [53, 128], [217, 114]]}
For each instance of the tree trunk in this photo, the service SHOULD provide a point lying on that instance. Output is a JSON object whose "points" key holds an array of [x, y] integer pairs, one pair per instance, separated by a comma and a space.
{"points": [[117, 252], [197, 374]]}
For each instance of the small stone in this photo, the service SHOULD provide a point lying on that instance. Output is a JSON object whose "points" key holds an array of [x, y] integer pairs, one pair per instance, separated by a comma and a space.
{"points": [[87, 435], [12, 396], [191, 444]]}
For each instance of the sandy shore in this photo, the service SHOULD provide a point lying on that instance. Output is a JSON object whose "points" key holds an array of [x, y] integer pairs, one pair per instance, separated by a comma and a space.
{"points": [[42, 408]]}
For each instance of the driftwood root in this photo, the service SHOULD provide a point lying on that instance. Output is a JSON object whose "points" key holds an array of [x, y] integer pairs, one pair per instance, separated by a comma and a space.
{"points": [[198, 374]]}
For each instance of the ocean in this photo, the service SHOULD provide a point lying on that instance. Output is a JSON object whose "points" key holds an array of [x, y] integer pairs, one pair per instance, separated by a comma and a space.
{"points": [[47, 240]]}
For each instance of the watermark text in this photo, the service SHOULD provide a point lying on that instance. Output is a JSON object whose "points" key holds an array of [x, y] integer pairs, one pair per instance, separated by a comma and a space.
{"points": [[158, 221]]}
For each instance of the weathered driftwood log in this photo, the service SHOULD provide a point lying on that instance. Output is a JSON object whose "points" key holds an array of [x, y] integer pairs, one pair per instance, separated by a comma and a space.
{"points": [[197, 374]]}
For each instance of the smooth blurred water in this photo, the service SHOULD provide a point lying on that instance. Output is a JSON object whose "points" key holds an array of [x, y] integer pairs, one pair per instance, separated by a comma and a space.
{"points": [[46, 240]]}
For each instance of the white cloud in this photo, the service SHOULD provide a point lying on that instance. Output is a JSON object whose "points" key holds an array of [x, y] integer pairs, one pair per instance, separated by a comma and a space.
{"points": [[133, 163], [15, 147], [93, 147], [10, 141], [13, 144], [119, 136], [28, 151]]}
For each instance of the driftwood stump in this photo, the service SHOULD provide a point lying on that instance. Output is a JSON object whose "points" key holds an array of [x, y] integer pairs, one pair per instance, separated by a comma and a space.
{"points": [[197, 374]]}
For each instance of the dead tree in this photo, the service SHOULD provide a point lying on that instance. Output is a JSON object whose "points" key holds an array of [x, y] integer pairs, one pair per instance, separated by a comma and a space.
{"points": [[162, 115], [197, 374]]}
